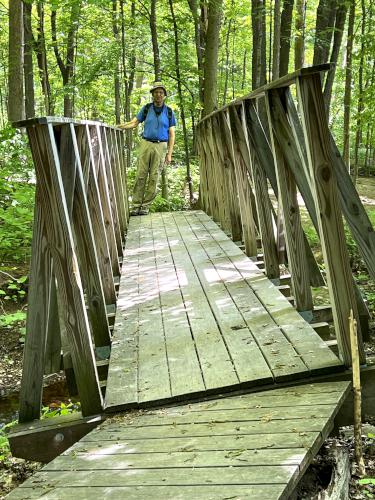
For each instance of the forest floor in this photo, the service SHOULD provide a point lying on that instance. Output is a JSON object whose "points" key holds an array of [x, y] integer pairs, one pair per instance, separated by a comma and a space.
{"points": [[14, 471]]}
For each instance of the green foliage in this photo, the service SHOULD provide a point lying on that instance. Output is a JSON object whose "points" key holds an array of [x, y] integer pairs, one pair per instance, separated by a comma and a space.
{"points": [[4, 443], [14, 321], [55, 410], [16, 196], [13, 289]]}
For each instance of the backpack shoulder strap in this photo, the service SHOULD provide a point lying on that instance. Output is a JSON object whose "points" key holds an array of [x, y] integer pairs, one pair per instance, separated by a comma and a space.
{"points": [[147, 107], [170, 112]]}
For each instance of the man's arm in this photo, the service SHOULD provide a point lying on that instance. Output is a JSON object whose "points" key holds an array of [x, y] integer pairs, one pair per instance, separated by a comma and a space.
{"points": [[132, 124], [168, 157]]}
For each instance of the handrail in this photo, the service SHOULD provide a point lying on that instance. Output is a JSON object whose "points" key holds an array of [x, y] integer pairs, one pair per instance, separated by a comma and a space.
{"points": [[242, 151], [81, 216], [284, 81]]}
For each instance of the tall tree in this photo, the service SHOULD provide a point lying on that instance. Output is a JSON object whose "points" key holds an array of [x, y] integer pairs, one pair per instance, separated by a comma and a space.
{"points": [[276, 40], [199, 39], [16, 108], [215, 11], [285, 34], [67, 67], [154, 39], [117, 86], [348, 84], [337, 41], [41, 56], [325, 22], [181, 100], [258, 22], [28, 60], [299, 43]]}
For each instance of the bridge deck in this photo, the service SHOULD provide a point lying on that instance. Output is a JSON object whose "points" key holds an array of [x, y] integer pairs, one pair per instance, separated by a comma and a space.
{"points": [[196, 316], [254, 446]]}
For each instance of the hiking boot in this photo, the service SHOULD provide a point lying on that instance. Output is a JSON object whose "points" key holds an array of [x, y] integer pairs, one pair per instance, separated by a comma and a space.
{"points": [[135, 211], [143, 211]]}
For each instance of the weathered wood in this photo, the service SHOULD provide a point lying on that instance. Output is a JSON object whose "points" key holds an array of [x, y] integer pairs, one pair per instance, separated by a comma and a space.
{"points": [[243, 187], [44, 440], [60, 240], [331, 229], [98, 223], [291, 216], [52, 355], [105, 200], [87, 256], [186, 452], [263, 204], [37, 317]]}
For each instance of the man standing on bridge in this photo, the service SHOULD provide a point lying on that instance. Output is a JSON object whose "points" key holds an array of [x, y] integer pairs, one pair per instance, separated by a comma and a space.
{"points": [[155, 149]]}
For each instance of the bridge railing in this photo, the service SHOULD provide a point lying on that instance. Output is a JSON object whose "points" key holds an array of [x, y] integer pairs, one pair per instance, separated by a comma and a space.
{"points": [[262, 140], [81, 216]]}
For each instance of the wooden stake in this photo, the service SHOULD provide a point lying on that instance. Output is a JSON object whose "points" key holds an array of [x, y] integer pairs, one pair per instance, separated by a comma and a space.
{"points": [[357, 394]]}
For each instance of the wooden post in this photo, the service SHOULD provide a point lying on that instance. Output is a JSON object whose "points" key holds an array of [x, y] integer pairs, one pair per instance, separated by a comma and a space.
{"points": [[60, 240], [98, 223], [105, 199], [37, 317], [295, 242], [264, 208], [331, 228], [224, 146], [243, 186]]}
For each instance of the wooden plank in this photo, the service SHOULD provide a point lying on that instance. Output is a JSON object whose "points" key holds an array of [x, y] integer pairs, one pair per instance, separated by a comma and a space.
{"points": [[122, 380], [111, 189], [216, 365], [182, 460], [43, 443], [105, 199], [117, 181], [306, 342], [183, 363], [152, 354], [87, 256], [183, 477], [52, 355], [331, 229], [60, 239], [98, 222], [243, 187], [264, 339], [263, 203], [239, 339], [223, 143], [204, 492], [291, 215], [37, 315]]}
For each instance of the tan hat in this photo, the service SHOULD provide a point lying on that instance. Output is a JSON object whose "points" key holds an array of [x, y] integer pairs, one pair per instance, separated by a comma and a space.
{"points": [[158, 85]]}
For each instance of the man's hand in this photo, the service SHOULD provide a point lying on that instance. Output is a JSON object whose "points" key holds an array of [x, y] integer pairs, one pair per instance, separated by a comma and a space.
{"points": [[168, 158]]}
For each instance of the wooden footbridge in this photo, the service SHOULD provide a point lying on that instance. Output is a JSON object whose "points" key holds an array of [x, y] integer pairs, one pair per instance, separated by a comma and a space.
{"points": [[175, 323]]}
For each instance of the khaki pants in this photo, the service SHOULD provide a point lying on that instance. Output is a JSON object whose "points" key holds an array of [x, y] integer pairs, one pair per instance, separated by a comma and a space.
{"points": [[150, 163]]}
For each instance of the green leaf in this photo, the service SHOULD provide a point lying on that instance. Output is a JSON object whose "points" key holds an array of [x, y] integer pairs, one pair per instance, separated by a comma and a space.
{"points": [[366, 480]]}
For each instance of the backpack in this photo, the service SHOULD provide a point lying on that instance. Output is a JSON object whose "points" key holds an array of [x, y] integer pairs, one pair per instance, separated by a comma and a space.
{"points": [[148, 106]]}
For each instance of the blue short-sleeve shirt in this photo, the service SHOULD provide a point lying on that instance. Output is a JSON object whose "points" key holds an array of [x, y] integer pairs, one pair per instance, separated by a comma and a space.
{"points": [[157, 123]]}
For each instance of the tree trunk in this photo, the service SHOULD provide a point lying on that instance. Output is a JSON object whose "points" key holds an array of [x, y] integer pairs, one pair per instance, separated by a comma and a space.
{"points": [[348, 84], [193, 4], [285, 34], [215, 8], [154, 38], [40, 49], [299, 45], [337, 40], [28, 61], [67, 68], [358, 134], [16, 107], [325, 21], [117, 86], [276, 41], [243, 81], [256, 22], [181, 101], [226, 62]]}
